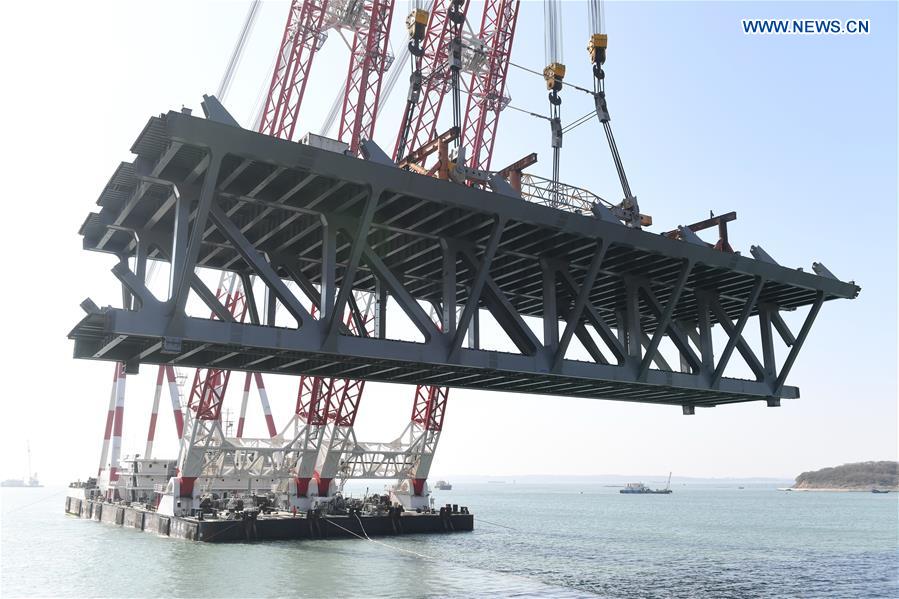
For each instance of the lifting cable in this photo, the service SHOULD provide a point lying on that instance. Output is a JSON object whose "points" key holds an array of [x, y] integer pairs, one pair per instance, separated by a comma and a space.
{"points": [[237, 52], [529, 70], [597, 50], [456, 16], [553, 74], [416, 24]]}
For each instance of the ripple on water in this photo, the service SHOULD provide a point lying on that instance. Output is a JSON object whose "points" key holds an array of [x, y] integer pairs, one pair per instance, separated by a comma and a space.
{"points": [[698, 542]]}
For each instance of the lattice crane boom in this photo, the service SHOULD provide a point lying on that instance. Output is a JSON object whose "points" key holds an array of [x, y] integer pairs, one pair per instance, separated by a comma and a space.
{"points": [[303, 36], [369, 61], [487, 88]]}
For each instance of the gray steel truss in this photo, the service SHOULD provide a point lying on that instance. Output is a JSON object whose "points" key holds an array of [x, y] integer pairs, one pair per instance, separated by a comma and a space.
{"points": [[204, 194]]}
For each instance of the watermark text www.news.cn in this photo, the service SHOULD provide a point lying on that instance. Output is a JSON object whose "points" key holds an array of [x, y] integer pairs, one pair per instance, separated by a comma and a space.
{"points": [[806, 26]]}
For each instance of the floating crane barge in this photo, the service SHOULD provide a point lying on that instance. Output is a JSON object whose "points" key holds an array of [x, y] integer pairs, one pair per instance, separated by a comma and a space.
{"points": [[256, 525]]}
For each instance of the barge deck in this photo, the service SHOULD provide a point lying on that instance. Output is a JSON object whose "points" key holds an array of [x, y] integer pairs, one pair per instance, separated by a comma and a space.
{"points": [[272, 526]]}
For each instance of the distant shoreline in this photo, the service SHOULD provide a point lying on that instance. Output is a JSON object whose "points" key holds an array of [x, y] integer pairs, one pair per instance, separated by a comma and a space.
{"points": [[864, 477], [838, 490]]}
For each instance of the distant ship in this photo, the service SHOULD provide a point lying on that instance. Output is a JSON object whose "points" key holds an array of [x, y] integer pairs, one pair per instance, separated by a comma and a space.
{"points": [[32, 481], [443, 485], [879, 491], [641, 489]]}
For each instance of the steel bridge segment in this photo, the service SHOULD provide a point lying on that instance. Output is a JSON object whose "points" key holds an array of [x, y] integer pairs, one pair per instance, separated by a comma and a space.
{"points": [[416, 219]]}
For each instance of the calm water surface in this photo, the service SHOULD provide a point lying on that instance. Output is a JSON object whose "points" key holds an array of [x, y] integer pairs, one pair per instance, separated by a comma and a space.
{"points": [[562, 540]]}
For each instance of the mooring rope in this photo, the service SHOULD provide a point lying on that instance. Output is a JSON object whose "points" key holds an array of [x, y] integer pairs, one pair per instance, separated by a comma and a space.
{"points": [[497, 524], [27, 505], [368, 538]]}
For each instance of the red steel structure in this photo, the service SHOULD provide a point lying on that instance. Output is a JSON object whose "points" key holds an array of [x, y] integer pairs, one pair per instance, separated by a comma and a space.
{"points": [[303, 36], [369, 60], [320, 401], [427, 412], [329, 400], [207, 392], [435, 74], [255, 377], [487, 87], [481, 118]]}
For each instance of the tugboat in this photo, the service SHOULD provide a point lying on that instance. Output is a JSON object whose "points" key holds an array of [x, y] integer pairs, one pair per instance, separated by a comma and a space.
{"points": [[641, 489], [442, 485]]}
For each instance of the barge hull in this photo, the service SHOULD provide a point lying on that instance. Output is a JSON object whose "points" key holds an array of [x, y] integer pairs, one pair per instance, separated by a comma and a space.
{"points": [[267, 527]]}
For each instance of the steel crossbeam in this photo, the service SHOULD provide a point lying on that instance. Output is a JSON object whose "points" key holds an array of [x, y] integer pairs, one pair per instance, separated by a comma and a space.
{"points": [[342, 228]]}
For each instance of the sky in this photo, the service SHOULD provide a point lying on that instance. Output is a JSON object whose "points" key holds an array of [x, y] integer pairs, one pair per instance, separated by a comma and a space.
{"points": [[798, 134]]}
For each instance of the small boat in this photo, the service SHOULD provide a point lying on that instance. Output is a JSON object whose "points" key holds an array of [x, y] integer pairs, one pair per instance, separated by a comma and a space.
{"points": [[641, 489], [443, 485], [880, 490]]}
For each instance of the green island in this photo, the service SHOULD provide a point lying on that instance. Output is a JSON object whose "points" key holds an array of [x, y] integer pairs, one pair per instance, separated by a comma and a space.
{"points": [[861, 476]]}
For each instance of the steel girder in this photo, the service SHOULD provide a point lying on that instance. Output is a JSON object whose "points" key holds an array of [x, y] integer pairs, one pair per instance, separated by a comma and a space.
{"points": [[340, 224]]}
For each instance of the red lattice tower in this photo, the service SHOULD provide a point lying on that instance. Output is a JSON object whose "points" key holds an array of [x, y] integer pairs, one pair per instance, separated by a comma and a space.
{"points": [[303, 36], [487, 87], [368, 63], [210, 384], [322, 400], [429, 406]]}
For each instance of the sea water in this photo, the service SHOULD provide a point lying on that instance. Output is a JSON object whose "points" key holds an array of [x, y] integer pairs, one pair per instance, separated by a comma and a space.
{"points": [[558, 540]]}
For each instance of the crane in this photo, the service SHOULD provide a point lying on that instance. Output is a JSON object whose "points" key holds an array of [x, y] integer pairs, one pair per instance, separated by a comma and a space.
{"points": [[554, 74], [442, 52], [444, 25], [369, 61], [416, 25], [326, 408], [486, 90], [303, 35], [628, 209]]}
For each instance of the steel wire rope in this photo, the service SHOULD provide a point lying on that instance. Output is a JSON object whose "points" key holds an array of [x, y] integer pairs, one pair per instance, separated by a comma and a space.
{"points": [[27, 505], [533, 72], [367, 538]]}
